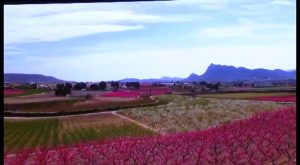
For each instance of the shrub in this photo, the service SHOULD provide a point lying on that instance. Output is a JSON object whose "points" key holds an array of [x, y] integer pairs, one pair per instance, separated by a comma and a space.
{"points": [[63, 90], [102, 85], [80, 86], [134, 85], [94, 87], [115, 84]]}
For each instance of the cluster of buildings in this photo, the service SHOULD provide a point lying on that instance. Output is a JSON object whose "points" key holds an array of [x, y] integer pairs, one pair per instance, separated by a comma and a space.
{"points": [[49, 86]]}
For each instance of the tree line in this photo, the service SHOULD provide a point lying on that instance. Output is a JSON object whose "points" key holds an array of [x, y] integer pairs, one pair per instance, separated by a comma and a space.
{"points": [[65, 89]]}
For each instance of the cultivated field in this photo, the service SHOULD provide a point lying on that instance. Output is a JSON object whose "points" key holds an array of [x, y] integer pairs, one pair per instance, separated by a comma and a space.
{"points": [[73, 104], [265, 138], [43, 97], [185, 113], [21, 92], [206, 122], [50, 132], [260, 89], [248, 95], [145, 90]]}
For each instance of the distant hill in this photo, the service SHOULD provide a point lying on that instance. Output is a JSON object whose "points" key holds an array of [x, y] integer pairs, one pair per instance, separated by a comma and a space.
{"points": [[231, 73], [163, 79], [292, 70], [213, 73], [28, 78]]}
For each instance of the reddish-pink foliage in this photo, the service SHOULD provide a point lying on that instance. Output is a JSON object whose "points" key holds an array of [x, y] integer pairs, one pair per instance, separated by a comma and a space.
{"points": [[65, 156], [122, 93], [21, 158], [265, 138], [43, 156], [276, 98], [148, 90], [9, 92]]}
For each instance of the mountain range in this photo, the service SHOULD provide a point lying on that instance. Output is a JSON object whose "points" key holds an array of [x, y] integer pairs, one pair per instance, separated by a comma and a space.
{"points": [[29, 78], [213, 73], [163, 79], [230, 73]]}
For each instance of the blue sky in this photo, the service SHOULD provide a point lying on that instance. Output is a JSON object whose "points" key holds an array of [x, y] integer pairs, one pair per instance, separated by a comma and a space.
{"points": [[112, 41]]}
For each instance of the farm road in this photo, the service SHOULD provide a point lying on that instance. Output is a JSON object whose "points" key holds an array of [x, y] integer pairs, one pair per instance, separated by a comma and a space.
{"points": [[46, 117], [97, 113], [138, 123]]}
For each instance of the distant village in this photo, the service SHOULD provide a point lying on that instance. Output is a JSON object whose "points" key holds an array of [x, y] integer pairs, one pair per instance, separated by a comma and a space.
{"points": [[201, 86]]}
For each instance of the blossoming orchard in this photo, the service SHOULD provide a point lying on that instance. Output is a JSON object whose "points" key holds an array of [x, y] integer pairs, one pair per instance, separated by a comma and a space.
{"points": [[151, 124], [265, 138]]}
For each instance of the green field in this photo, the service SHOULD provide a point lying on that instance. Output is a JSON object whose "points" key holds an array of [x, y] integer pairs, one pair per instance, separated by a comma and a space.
{"points": [[21, 134], [246, 95]]}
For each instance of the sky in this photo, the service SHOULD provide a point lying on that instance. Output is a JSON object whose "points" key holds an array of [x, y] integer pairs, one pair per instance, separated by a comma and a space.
{"points": [[112, 41]]}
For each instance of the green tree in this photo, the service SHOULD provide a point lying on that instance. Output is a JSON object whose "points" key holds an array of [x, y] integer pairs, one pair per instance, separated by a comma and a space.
{"points": [[62, 89], [79, 86], [102, 85], [115, 84], [94, 87]]}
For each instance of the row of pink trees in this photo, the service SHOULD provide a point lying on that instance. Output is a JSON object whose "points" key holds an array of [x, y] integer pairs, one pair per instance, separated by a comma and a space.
{"points": [[139, 92], [265, 138], [276, 98], [9, 92]]}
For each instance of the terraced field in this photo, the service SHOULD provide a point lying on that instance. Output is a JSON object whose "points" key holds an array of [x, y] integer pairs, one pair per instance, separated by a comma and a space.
{"points": [[185, 113], [31, 133]]}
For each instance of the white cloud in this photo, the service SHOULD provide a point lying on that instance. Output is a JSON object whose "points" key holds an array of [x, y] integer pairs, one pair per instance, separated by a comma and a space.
{"points": [[271, 8], [203, 4], [248, 28], [39, 25], [53, 33], [55, 27], [115, 17], [270, 57], [282, 2], [208, 4], [274, 38], [218, 32], [12, 50], [163, 61]]}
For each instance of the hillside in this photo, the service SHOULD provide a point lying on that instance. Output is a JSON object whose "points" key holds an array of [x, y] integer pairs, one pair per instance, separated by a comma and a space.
{"points": [[29, 78], [231, 73], [213, 73]]}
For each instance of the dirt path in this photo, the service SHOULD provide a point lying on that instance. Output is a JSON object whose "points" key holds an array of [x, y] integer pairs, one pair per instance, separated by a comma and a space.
{"points": [[46, 117], [138, 123], [97, 113]]}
